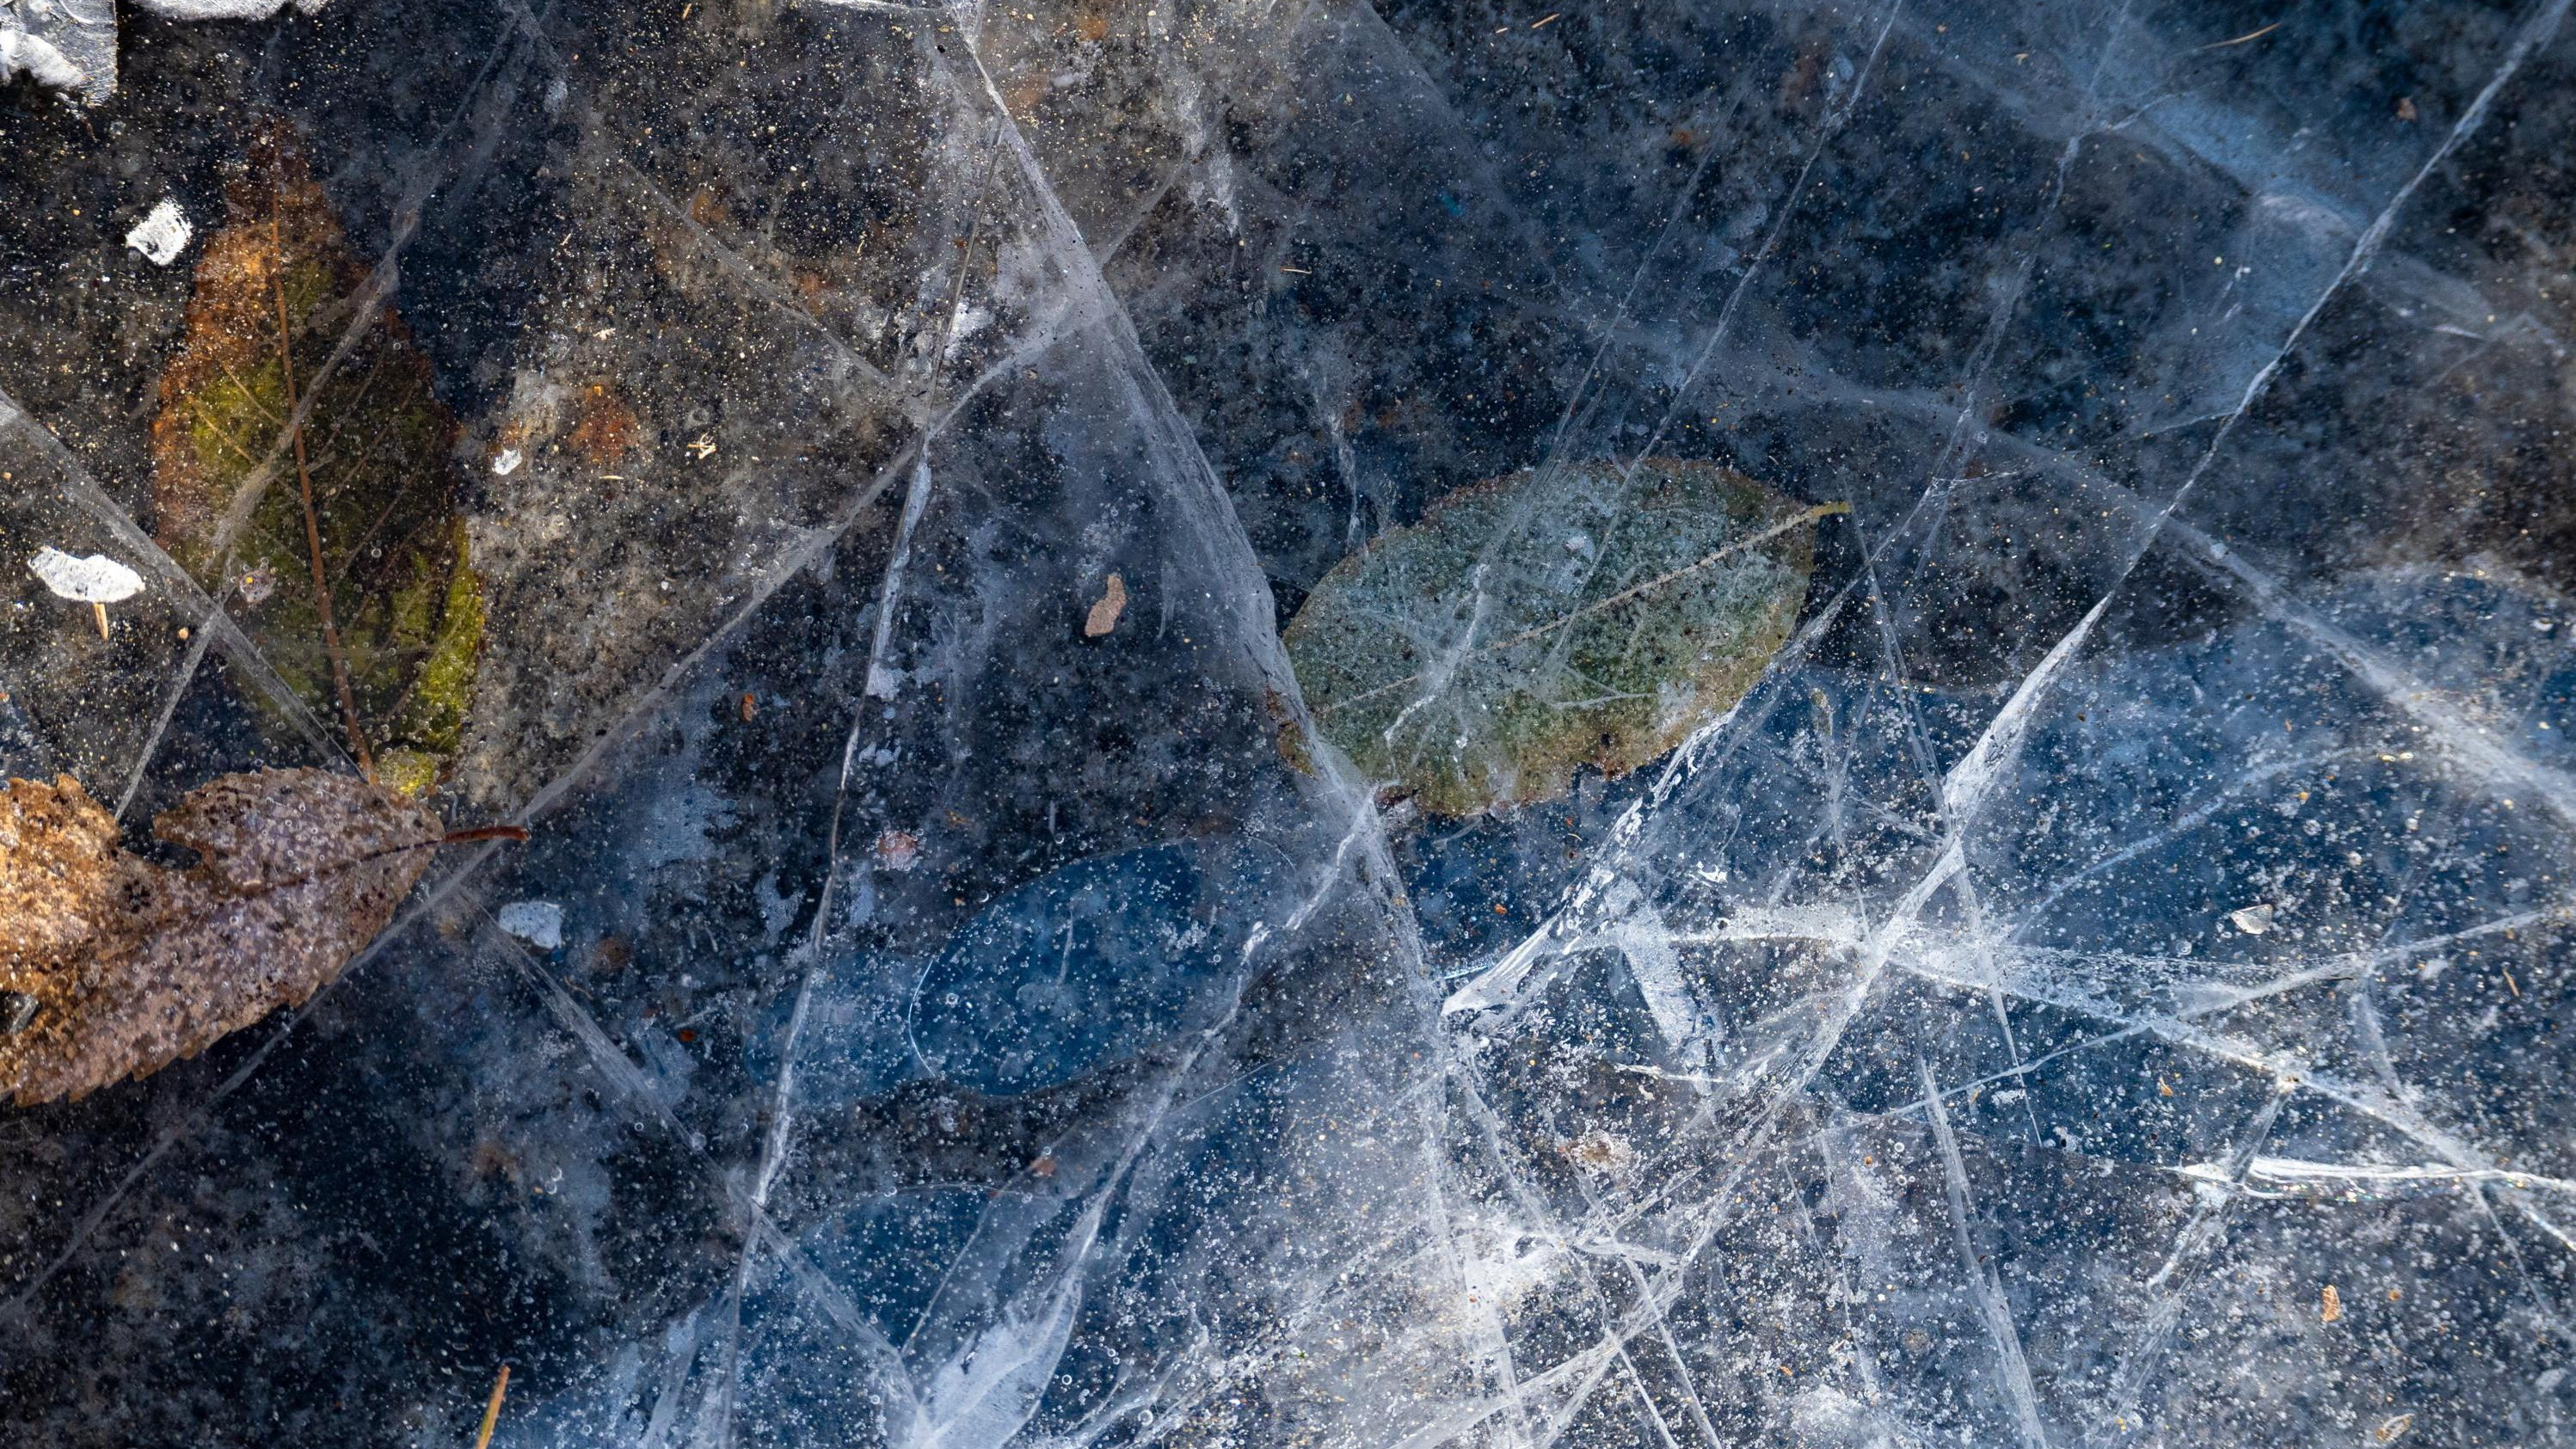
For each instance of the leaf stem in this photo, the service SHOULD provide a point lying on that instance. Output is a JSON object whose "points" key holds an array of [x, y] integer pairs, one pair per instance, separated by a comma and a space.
{"points": [[312, 522]]}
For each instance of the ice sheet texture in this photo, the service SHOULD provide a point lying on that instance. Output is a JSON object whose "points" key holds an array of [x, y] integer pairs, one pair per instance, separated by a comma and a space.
{"points": [[2105, 985]]}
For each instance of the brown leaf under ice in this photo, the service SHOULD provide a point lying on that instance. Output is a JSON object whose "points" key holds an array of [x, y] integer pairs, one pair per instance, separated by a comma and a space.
{"points": [[116, 966]]}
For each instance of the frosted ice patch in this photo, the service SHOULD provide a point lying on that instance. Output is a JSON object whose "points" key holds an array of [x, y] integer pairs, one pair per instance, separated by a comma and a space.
{"points": [[162, 235], [539, 923], [39, 58], [89, 578], [2252, 920], [506, 462], [226, 9]]}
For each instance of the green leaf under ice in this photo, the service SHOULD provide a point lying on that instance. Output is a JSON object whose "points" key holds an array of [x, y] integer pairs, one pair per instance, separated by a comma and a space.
{"points": [[1551, 619]]}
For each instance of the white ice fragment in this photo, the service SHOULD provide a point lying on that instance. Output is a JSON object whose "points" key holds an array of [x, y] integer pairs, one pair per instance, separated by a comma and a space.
{"points": [[89, 578], [38, 58], [162, 234], [226, 9], [506, 462], [2253, 920], [539, 923], [970, 320]]}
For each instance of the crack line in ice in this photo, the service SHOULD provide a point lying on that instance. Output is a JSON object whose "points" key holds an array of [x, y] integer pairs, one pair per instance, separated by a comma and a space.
{"points": [[1948, 461], [198, 643], [2175, 1028], [1986, 1277], [751, 276], [1552, 467], [84, 490], [2480, 751], [2201, 1235], [2207, 1000], [879, 683], [1918, 743], [1491, 1134]]}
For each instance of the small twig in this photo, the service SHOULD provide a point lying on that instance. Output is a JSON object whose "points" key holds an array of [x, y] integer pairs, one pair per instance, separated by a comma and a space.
{"points": [[435, 842], [492, 1410], [312, 523]]}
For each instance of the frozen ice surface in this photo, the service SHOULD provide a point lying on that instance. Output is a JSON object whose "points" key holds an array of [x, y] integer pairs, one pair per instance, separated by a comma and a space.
{"points": [[68, 45], [2105, 986]]}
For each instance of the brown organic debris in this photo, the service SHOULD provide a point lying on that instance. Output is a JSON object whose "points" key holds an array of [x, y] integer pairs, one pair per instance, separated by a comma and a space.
{"points": [[604, 428], [131, 965], [1104, 614]]}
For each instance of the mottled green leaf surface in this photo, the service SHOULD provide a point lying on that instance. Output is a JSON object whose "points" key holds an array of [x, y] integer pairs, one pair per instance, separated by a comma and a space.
{"points": [[280, 324], [1551, 619]]}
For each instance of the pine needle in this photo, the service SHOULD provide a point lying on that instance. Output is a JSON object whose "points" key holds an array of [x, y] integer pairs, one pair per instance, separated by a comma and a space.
{"points": [[492, 1410]]}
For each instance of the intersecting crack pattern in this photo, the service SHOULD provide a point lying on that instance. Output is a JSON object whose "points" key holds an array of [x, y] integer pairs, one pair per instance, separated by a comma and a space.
{"points": [[2103, 986]]}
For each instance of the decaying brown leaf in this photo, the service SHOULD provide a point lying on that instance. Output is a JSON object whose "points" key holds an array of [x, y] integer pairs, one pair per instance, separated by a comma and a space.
{"points": [[130, 965]]}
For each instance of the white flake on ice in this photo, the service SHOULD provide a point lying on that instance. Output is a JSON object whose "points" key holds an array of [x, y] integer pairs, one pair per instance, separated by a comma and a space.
{"points": [[162, 234], [86, 578], [539, 923], [226, 9]]}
